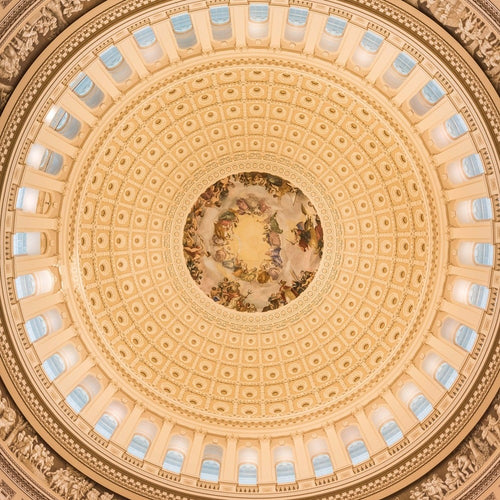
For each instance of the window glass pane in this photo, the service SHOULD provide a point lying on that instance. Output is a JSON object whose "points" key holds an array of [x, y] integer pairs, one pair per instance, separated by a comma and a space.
{"points": [[53, 366], [433, 92], [25, 286], [285, 472], [60, 119], [259, 13], [51, 162], [465, 337], [20, 244], [420, 406], [81, 85], [145, 37], [456, 126], [478, 296], [371, 41], [77, 399], [391, 432], [404, 63], [138, 446], [210, 471], [483, 254], [297, 16], [111, 57], [446, 375], [247, 474], [335, 26], [481, 209], [219, 14], [36, 328], [322, 465], [106, 425], [473, 165], [173, 461], [181, 23], [358, 452]]}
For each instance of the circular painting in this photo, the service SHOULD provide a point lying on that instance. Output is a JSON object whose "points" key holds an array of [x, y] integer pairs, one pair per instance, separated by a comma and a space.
{"points": [[253, 242]]}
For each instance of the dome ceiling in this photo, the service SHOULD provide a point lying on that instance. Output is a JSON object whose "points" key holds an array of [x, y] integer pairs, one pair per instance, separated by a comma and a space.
{"points": [[251, 247]]}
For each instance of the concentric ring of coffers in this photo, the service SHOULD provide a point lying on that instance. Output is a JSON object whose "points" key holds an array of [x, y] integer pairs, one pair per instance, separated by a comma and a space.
{"points": [[458, 331]]}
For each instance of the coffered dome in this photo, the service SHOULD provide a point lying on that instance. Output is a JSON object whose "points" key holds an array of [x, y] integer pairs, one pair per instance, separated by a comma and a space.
{"points": [[250, 249]]}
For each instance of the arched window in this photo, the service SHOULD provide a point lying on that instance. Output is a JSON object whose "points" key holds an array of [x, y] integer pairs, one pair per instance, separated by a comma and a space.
{"points": [[483, 254], [39, 326], [138, 447], [27, 199], [456, 126], [479, 295], [258, 20], [403, 64], [358, 452], [481, 209], [465, 337], [427, 97], [221, 22], [472, 165], [391, 433], [173, 461], [183, 30], [86, 90], [106, 425], [43, 159], [322, 465], [332, 36], [247, 474], [420, 406], [446, 375], [54, 366], [371, 42], [115, 63], [148, 45], [25, 286], [210, 470], [210, 467], [26, 244], [285, 472], [296, 26], [77, 399], [62, 122]]}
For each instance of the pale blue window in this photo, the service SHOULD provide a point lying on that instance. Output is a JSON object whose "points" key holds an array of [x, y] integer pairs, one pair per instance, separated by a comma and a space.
{"points": [[77, 399], [404, 63], [466, 337], [472, 165], [20, 244], [259, 13], [285, 472], [59, 120], [81, 85], [20, 197], [433, 92], [145, 37], [297, 16], [219, 14], [51, 162], [483, 254], [25, 286], [322, 465], [173, 461], [335, 26], [106, 425], [371, 41], [53, 366], [111, 57], [210, 470], [138, 446], [446, 375], [65, 124], [456, 126], [391, 432], [181, 23], [247, 474], [36, 328], [420, 406], [481, 209], [478, 296], [358, 452]]}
